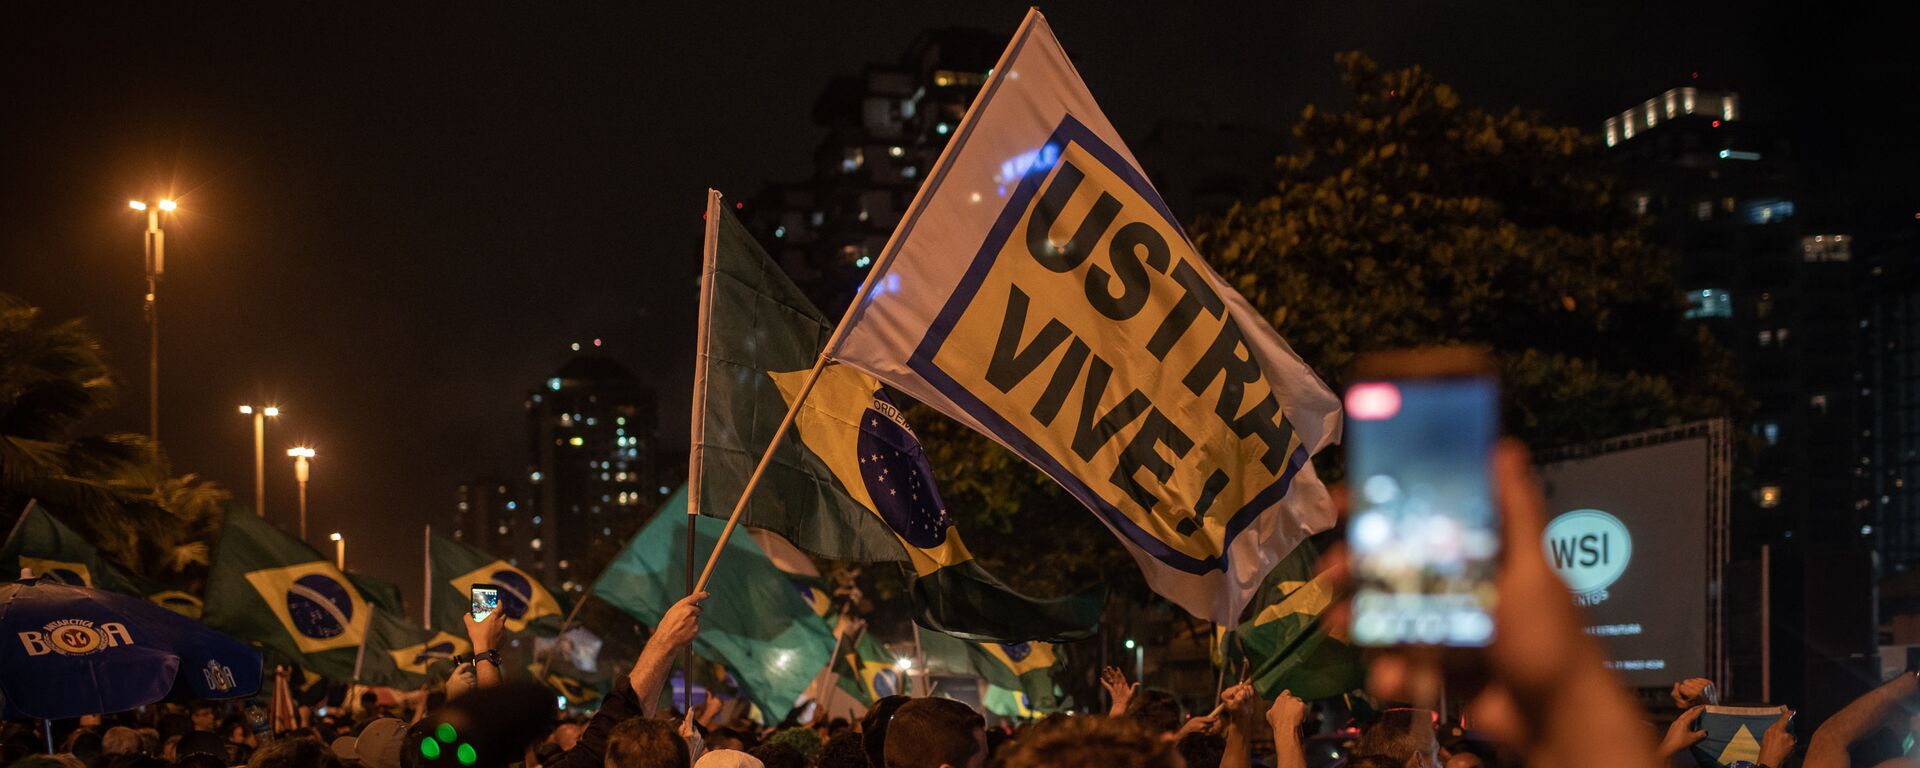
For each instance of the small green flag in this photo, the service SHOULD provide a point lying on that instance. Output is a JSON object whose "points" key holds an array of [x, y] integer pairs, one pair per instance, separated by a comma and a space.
{"points": [[852, 482], [866, 671], [1287, 642], [40, 543], [402, 655], [270, 588], [457, 567], [754, 623], [50, 550], [1024, 667]]}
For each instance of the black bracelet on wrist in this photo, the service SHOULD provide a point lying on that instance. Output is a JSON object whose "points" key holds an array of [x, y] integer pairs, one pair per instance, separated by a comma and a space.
{"points": [[491, 655]]}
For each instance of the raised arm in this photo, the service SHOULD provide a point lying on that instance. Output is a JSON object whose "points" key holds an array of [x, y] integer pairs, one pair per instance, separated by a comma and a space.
{"points": [[675, 631], [1854, 721]]}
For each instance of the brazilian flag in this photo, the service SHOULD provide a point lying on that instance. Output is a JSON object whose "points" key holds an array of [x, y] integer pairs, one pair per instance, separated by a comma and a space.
{"points": [[754, 623], [271, 588], [1025, 667], [40, 543], [1287, 642], [402, 655], [579, 694], [384, 594], [866, 671], [457, 567], [855, 485], [1009, 703]]}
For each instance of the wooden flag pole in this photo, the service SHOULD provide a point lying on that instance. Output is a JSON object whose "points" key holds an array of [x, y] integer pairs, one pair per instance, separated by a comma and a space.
{"points": [[426, 579], [696, 456], [546, 659], [753, 480]]}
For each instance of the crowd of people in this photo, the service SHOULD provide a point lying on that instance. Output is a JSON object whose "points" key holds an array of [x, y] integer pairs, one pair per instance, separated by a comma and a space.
{"points": [[1542, 696]]}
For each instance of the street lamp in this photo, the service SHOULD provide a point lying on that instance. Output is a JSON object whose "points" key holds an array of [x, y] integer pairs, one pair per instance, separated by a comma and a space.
{"points": [[339, 551], [300, 456], [260, 416], [156, 247]]}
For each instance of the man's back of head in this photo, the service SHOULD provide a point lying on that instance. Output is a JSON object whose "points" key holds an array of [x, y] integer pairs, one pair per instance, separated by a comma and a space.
{"points": [[1404, 736], [930, 733], [294, 753], [1090, 742], [640, 742], [120, 740], [1159, 712]]}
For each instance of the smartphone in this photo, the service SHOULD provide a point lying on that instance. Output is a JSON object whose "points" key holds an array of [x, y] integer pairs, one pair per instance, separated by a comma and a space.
{"points": [[1424, 535], [486, 600]]}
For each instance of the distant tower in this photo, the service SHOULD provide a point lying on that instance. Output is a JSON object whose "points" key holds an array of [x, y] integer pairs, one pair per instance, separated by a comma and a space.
{"points": [[593, 430]]}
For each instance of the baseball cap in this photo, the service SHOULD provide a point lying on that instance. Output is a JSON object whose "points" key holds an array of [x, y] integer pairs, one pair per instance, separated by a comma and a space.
{"points": [[377, 746]]}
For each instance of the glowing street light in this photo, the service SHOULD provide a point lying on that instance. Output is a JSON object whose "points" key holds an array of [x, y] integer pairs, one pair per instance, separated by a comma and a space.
{"points": [[300, 456], [156, 246], [903, 664], [260, 416], [339, 551]]}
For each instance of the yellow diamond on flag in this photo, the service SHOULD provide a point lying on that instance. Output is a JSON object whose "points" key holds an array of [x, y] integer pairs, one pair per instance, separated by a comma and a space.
{"points": [[315, 604], [418, 658], [1022, 657], [179, 602]]}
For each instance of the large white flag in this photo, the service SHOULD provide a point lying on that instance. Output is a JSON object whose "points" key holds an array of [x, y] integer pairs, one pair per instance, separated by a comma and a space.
{"points": [[1039, 290]]}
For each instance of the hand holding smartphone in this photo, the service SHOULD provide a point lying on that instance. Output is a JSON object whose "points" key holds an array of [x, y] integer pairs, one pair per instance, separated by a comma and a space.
{"points": [[485, 600], [1424, 536]]}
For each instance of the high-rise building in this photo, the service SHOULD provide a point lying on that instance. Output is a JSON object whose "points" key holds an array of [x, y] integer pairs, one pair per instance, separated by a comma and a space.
{"points": [[885, 127], [1890, 327], [1722, 193], [593, 432], [487, 515]]}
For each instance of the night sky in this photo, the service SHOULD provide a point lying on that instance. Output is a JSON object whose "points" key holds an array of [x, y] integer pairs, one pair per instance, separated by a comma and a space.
{"points": [[394, 225]]}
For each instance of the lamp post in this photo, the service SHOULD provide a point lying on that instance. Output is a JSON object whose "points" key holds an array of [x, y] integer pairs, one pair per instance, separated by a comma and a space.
{"points": [[339, 551], [300, 472], [260, 416], [156, 248]]}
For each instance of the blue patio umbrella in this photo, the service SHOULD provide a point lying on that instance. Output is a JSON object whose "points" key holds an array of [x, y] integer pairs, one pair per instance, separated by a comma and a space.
{"points": [[67, 651]]}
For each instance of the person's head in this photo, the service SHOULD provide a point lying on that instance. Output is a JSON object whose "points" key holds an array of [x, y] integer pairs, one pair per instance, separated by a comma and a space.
{"points": [[204, 716], [201, 760], [1404, 736], [1201, 750], [201, 743], [727, 758], [1371, 761], [293, 753], [642, 743], [1157, 711], [1466, 760], [873, 728], [120, 740], [369, 702], [84, 744], [62, 760], [132, 760], [565, 735], [1090, 742], [803, 740], [930, 733], [775, 754], [844, 750], [376, 746], [725, 737]]}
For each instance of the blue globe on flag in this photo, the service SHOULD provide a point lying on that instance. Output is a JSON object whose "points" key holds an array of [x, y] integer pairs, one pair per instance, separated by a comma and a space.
{"points": [[319, 606], [435, 651], [1017, 652], [516, 593], [899, 479], [886, 682]]}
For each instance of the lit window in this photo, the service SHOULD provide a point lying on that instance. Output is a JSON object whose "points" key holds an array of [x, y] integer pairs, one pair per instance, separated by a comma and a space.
{"points": [[563, 564], [1641, 203], [941, 128], [1767, 211], [1766, 338], [1670, 103], [1818, 403], [554, 383], [1651, 119], [779, 231], [502, 530], [1825, 248], [818, 218], [1703, 210], [897, 151], [1726, 107], [909, 172], [1709, 302], [535, 544], [1771, 432], [1686, 100], [576, 441], [535, 477], [854, 158], [536, 521], [566, 419], [1769, 496]]}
